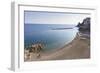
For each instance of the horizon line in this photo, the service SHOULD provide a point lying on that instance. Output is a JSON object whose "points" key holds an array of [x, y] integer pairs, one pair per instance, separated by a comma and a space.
{"points": [[48, 23]]}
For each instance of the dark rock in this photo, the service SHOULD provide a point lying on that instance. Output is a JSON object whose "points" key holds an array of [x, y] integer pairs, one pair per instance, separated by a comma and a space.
{"points": [[84, 27]]}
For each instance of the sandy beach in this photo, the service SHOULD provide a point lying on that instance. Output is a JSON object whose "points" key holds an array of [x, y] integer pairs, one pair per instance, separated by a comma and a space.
{"points": [[79, 48]]}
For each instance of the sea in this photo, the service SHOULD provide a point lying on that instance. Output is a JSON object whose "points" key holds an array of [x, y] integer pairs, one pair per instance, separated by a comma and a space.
{"points": [[53, 36]]}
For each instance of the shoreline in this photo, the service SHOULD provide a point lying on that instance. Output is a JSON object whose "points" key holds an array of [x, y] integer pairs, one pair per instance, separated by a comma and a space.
{"points": [[79, 48]]}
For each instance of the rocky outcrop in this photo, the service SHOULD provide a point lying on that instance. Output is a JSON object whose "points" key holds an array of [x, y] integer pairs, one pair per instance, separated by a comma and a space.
{"points": [[33, 51], [36, 48], [84, 27]]}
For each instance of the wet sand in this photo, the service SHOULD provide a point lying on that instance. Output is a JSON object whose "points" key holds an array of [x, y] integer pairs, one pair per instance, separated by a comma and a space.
{"points": [[79, 48]]}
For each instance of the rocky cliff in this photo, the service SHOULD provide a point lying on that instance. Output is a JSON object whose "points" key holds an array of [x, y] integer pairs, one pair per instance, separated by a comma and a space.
{"points": [[84, 27]]}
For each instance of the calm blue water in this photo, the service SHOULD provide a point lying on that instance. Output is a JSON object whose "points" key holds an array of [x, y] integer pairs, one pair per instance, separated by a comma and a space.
{"points": [[52, 39]]}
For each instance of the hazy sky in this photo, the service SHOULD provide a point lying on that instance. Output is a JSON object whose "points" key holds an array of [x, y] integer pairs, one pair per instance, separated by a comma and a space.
{"points": [[33, 17]]}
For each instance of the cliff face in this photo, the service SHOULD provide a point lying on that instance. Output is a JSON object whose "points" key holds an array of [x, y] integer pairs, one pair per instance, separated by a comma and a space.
{"points": [[84, 27]]}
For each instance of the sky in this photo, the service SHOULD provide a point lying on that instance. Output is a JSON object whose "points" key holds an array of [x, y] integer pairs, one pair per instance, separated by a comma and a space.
{"points": [[39, 17]]}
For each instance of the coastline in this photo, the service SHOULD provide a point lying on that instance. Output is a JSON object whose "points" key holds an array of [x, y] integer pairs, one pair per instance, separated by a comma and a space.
{"points": [[79, 48]]}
